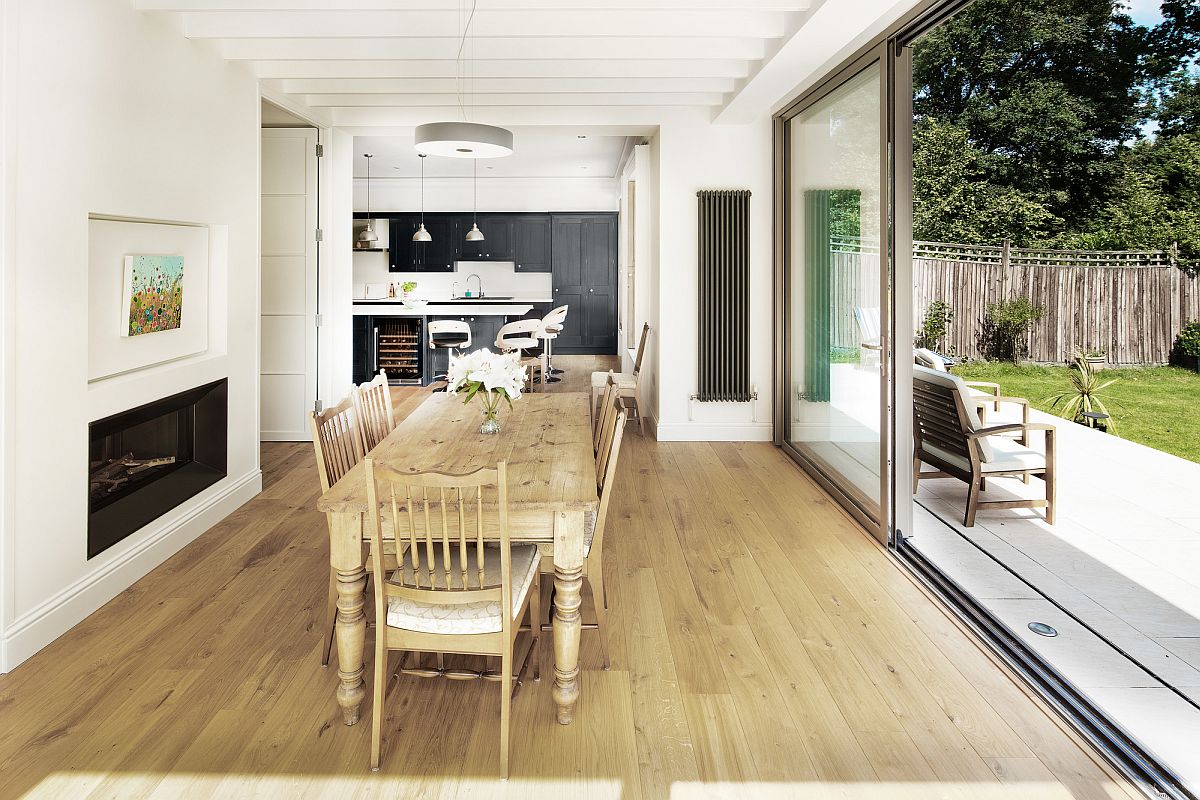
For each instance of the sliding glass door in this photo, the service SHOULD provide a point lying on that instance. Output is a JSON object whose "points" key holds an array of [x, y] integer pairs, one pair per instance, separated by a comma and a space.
{"points": [[835, 333]]}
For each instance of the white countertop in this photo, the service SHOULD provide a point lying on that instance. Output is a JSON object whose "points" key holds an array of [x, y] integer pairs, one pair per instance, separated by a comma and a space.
{"points": [[471, 309]]}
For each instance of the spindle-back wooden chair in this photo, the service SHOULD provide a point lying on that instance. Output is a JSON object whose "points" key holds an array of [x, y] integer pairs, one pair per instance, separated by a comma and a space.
{"points": [[374, 399], [593, 559], [337, 440], [451, 591]]}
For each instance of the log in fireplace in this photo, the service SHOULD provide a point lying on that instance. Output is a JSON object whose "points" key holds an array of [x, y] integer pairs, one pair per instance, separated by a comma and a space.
{"points": [[146, 461]]}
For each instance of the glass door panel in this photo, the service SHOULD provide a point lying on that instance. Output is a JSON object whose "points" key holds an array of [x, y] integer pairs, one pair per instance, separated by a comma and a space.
{"points": [[835, 331]]}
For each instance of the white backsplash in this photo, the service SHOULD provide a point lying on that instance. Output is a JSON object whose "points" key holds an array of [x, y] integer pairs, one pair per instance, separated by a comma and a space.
{"points": [[499, 278]]}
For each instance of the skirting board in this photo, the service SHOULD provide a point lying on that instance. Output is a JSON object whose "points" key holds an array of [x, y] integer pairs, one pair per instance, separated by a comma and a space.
{"points": [[711, 431], [40, 626]]}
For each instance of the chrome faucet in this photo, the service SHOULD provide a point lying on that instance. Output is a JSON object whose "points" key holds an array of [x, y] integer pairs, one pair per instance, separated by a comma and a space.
{"points": [[479, 283]]}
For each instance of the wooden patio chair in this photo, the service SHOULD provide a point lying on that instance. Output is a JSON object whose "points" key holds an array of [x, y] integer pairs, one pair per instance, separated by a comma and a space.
{"points": [[985, 393], [451, 592], [949, 435], [870, 337], [374, 400]]}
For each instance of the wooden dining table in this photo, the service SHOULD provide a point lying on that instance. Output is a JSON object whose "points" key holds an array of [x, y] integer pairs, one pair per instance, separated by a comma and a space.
{"points": [[546, 440]]}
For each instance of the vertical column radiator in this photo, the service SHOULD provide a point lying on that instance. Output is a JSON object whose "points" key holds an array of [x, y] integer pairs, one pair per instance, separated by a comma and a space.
{"points": [[723, 313]]}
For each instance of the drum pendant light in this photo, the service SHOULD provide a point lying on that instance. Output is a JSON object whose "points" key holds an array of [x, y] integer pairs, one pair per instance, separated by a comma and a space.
{"points": [[464, 139], [475, 235], [422, 235], [367, 236]]}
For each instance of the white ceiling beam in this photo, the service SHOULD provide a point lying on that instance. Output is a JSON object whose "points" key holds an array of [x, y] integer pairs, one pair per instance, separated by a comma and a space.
{"points": [[526, 99], [486, 86], [586, 48], [486, 24], [484, 5], [445, 68], [831, 32], [377, 121]]}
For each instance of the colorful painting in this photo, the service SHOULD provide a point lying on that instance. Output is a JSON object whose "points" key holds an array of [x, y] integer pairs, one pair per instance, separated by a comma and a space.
{"points": [[153, 294]]}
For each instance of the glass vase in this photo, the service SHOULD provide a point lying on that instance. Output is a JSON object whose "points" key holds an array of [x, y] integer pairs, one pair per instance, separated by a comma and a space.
{"points": [[491, 421]]}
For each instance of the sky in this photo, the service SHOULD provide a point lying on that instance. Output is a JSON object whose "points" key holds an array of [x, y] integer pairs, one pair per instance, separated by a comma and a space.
{"points": [[1145, 12]]}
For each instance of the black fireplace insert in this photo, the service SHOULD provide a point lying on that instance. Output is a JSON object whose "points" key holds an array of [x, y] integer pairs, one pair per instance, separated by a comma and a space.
{"points": [[146, 461]]}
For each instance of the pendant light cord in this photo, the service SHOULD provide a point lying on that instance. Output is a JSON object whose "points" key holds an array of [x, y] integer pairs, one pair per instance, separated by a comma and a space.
{"points": [[460, 72]]}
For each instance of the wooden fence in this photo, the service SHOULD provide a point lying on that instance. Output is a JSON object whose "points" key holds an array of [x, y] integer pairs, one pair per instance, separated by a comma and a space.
{"points": [[1129, 304]]}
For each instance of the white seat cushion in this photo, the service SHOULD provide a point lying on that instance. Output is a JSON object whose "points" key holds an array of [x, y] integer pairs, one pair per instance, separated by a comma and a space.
{"points": [[1011, 456], [464, 618], [1007, 456], [624, 380]]}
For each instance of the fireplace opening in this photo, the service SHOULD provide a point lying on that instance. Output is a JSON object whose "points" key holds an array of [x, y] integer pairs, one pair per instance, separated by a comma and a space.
{"points": [[146, 461]]}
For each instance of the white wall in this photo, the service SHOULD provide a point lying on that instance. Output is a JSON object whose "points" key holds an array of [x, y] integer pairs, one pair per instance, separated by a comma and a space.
{"points": [[495, 194], [110, 111], [692, 155]]}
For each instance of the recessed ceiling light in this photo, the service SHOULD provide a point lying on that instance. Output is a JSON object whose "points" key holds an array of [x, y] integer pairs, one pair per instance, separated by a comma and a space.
{"points": [[581, 136]]}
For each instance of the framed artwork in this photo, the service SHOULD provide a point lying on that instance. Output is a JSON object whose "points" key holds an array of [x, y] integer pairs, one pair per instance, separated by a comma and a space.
{"points": [[152, 300]]}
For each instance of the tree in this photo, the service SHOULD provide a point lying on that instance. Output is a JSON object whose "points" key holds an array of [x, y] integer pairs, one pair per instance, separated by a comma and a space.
{"points": [[1046, 90]]}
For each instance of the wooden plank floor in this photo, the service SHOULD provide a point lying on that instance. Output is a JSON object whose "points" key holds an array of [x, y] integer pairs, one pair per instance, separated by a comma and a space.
{"points": [[762, 646]]}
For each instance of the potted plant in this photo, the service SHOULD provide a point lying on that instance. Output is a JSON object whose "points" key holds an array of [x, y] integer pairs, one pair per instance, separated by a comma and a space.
{"points": [[490, 377], [1082, 403], [407, 288], [1095, 357], [1187, 346]]}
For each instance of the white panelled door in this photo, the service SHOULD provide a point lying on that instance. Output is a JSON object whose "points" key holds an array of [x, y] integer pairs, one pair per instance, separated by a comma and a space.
{"points": [[288, 363]]}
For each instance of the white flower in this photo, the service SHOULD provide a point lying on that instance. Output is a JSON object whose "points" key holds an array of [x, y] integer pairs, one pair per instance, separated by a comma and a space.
{"points": [[485, 371]]}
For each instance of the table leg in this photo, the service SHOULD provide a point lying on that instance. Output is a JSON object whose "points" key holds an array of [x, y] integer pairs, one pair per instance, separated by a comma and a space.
{"points": [[345, 551], [568, 585]]}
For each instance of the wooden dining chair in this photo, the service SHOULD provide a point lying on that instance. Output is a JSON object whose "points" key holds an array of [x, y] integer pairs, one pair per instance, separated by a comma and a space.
{"points": [[451, 592], [374, 400], [628, 382], [606, 408], [337, 440], [593, 537]]}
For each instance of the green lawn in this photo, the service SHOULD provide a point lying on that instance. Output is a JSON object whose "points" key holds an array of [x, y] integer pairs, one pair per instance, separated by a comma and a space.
{"points": [[1155, 406]]}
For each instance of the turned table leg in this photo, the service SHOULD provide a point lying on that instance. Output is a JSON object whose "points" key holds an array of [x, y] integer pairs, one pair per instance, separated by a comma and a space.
{"points": [[568, 585], [346, 556]]}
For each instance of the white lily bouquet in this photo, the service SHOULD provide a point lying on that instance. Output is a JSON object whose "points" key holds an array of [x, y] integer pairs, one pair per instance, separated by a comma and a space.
{"points": [[490, 377]]}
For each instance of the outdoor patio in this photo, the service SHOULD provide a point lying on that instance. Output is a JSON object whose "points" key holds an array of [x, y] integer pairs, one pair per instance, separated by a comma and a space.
{"points": [[1118, 575]]}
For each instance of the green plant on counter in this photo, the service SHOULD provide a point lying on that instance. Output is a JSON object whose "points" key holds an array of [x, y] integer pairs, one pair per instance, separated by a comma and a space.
{"points": [[1084, 395], [408, 286], [935, 325]]}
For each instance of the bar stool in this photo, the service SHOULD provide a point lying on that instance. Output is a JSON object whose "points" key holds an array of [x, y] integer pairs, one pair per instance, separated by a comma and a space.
{"points": [[448, 334], [552, 325], [520, 336]]}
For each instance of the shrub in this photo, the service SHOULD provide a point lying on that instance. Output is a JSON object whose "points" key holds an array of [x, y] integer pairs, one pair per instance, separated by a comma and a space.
{"points": [[1084, 395], [1005, 325], [935, 325], [1187, 343]]}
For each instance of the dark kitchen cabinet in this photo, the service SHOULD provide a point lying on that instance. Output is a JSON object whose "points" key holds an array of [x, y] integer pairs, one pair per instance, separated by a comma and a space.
{"points": [[362, 338], [531, 235], [497, 244], [584, 257], [437, 255]]}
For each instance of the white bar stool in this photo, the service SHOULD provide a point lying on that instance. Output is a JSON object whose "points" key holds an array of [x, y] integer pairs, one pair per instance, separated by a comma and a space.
{"points": [[448, 334], [520, 336], [552, 325]]}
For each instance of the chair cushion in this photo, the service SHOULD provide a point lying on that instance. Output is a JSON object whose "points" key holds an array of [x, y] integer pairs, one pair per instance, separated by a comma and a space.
{"points": [[460, 618], [927, 358], [1011, 456], [625, 380], [954, 382]]}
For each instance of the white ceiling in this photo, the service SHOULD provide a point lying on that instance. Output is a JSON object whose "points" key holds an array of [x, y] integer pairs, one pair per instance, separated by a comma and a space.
{"points": [[393, 62], [537, 153]]}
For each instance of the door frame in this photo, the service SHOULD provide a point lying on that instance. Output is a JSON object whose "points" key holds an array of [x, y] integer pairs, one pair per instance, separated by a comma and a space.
{"points": [[865, 59]]}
